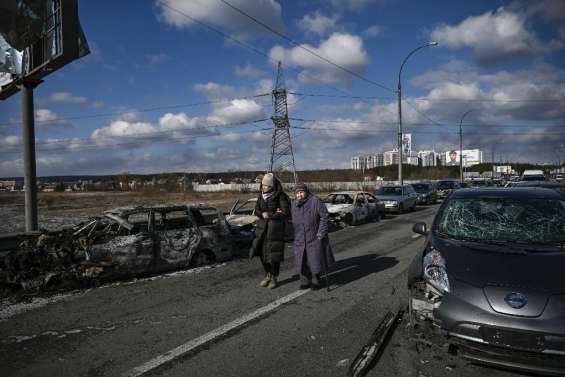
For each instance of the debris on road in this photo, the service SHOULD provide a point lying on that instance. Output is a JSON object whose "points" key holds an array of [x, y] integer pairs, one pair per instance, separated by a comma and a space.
{"points": [[371, 352]]}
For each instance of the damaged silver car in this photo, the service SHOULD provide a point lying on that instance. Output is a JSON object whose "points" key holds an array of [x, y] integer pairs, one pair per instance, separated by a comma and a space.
{"points": [[125, 242], [489, 280]]}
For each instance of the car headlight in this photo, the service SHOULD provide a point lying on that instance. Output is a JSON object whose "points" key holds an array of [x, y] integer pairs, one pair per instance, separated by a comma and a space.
{"points": [[435, 271], [391, 202]]}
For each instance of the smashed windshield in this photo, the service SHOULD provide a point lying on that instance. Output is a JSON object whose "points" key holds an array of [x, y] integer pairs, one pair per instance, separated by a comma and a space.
{"points": [[523, 220], [390, 191]]}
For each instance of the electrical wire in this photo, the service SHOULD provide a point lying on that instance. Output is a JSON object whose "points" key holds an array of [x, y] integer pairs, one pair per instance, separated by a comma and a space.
{"points": [[143, 110], [299, 45]]}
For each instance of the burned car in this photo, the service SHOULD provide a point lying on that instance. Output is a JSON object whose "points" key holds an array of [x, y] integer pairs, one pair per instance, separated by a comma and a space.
{"points": [[125, 242], [489, 280], [353, 207]]}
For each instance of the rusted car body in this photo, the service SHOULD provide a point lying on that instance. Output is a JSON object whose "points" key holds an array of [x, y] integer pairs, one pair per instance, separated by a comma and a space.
{"points": [[353, 207], [125, 242]]}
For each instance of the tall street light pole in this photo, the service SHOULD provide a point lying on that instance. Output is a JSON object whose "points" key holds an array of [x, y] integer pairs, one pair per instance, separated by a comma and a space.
{"points": [[461, 145], [399, 94]]}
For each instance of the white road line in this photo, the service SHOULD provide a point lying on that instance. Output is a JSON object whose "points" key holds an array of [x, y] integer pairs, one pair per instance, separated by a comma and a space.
{"points": [[208, 337]]}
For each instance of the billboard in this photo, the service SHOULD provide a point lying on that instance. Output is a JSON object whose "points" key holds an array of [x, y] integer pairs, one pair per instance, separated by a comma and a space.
{"points": [[470, 157], [406, 144]]}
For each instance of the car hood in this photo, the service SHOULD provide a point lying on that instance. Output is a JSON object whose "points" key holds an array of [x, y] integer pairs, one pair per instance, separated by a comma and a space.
{"points": [[500, 274], [389, 197], [337, 208], [241, 220]]}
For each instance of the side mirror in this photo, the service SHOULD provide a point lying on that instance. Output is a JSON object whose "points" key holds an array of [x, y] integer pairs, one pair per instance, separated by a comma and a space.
{"points": [[420, 228]]}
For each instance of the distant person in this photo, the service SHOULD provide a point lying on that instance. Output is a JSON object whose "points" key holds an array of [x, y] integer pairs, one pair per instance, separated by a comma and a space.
{"points": [[273, 209], [312, 251]]}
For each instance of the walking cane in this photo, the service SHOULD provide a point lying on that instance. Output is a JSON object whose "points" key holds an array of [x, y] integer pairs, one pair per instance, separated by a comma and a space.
{"points": [[325, 266]]}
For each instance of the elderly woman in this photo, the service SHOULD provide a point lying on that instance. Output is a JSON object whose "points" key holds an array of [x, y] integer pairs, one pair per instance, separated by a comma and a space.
{"points": [[312, 251], [272, 208]]}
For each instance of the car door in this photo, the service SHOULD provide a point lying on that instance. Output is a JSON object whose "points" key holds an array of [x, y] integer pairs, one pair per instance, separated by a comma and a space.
{"points": [[361, 208], [371, 204]]}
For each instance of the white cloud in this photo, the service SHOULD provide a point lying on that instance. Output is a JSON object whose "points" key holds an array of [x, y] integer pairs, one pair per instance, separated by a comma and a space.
{"points": [[47, 118], [373, 31], [346, 50], [317, 23], [154, 59], [66, 97], [221, 15], [354, 5], [44, 115], [237, 111], [215, 91], [494, 36], [249, 71]]}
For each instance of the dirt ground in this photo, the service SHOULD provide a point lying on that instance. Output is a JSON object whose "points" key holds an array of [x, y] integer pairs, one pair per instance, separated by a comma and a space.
{"points": [[65, 209]]}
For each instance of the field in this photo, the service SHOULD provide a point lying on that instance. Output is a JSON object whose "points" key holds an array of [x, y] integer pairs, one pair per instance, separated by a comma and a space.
{"points": [[65, 209]]}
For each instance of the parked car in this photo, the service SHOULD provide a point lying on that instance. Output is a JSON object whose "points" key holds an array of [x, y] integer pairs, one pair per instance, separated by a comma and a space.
{"points": [[489, 279], [427, 193], [543, 184], [533, 175], [397, 198], [353, 207], [444, 188]]}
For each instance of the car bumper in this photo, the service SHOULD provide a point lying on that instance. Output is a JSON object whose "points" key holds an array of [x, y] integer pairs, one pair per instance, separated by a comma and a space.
{"points": [[526, 344]]}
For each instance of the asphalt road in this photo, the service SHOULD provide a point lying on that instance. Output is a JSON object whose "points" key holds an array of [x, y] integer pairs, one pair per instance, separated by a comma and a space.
{"points": [[112, 330]]}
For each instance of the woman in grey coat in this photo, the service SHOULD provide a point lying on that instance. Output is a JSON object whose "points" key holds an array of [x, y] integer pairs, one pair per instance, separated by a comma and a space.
{"points": [[312, 247]]}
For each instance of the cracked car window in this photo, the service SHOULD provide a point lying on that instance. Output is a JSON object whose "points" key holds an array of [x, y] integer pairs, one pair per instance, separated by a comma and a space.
{"points": [[513, 220]]}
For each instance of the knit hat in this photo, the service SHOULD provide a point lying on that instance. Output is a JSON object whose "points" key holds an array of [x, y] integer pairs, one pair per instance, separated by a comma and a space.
{"points": [[268, 180], [300, 187]]}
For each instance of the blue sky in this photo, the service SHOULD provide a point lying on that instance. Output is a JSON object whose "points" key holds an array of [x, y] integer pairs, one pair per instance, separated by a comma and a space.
{"points": [[135, 104]]}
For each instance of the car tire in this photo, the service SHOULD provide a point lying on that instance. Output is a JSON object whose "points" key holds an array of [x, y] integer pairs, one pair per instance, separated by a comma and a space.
{"points": [[349, 219], [202, 258]]}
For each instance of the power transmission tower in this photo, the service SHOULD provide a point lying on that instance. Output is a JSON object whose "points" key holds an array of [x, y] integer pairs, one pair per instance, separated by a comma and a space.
{"points": [[282, 156]]}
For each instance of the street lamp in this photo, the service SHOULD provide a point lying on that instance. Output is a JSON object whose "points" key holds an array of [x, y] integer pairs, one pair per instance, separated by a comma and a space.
{"points": [[461, 145], [399, 93]]}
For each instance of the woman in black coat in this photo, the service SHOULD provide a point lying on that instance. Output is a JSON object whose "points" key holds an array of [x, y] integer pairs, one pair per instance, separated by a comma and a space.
{"points": [[273, 209]]}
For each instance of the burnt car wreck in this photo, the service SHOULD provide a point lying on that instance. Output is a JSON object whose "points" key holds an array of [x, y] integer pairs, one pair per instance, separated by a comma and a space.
{"points": [[488, 284], [125, 242]]}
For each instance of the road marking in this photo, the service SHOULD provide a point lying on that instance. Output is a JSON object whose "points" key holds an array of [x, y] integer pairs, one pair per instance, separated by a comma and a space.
{"points": [[416, 235], [208, 337]]}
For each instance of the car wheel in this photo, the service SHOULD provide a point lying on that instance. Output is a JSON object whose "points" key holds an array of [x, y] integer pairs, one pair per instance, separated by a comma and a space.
{"points": [[202, 258], [349, 220]]}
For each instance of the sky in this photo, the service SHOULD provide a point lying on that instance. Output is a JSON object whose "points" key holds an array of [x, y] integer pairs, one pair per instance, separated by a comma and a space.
{"points": [[185, 85]]}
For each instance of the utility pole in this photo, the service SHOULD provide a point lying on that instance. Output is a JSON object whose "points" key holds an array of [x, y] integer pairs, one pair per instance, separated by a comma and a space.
{"points": [[282, 155], [461, 146], [399, 98], [28, 140]]}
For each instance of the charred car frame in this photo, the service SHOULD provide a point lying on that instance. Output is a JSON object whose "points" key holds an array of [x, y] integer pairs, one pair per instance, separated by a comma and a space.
{"points": [[125, 242]]}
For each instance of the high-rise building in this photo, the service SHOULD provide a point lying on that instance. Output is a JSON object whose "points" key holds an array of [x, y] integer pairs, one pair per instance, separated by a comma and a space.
{"points": [[368, 161], [390, 157], [428, 158]]}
